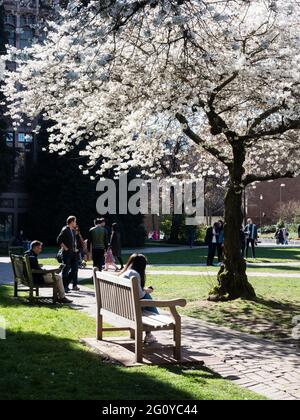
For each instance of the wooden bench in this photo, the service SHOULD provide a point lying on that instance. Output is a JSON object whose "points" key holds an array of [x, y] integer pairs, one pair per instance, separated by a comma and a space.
{"points": [[23, 275], [119, 303]]}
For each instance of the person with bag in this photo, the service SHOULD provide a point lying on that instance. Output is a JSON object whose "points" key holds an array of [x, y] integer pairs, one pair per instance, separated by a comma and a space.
{"points": [[67, 242]]}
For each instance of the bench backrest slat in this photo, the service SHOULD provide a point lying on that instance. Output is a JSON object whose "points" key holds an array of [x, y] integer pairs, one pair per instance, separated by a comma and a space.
{"points": [[116, 295], [21, 269]]}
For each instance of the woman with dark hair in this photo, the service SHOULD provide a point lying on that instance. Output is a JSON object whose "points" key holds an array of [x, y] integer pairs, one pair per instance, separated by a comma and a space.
{"points": [[136, 267], [115, 244]]}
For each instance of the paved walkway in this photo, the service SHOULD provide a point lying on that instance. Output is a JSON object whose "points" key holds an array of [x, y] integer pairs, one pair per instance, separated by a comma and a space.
{"points": [[268, 368]]}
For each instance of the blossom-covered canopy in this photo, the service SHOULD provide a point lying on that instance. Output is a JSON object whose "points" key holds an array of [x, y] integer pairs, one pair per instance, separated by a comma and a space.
{"points": [[121, 78]]}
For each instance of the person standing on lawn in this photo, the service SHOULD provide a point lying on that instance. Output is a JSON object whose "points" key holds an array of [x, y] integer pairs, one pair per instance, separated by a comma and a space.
{"points": [[67, 241], [212, 240], [251, 235]]}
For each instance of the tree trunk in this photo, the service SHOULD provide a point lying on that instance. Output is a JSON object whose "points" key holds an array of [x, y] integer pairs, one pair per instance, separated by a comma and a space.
{"points": [[232, 277]]}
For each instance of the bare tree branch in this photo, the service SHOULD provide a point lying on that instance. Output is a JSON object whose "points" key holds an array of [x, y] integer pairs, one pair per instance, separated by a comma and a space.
{"points": [[198, 140]]}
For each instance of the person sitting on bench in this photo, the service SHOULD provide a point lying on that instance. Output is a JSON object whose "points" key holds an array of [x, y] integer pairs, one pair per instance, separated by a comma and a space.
{"points": [[39, 279], [136, 267]]}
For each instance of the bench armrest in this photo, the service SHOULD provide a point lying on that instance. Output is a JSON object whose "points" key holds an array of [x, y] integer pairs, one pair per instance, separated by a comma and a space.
{"points": [[163, 303]]}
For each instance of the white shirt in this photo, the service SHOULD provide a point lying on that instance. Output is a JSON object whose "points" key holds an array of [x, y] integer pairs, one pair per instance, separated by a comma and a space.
{"points": [[132, 273]]}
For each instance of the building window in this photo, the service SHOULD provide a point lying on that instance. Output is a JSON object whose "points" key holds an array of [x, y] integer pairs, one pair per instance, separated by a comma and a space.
{"points": [[22, 145], [6, 226], [26, 37], [7, 203], [9, 139], [24, 138], [10, 32]]}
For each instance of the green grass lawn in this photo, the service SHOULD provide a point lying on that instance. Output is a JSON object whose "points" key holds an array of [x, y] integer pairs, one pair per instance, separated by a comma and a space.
{"points": [[42, 358], [199, 255], [270, 316]]}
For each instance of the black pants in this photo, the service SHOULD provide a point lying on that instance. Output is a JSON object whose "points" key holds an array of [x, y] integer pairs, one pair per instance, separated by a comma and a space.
{"points": [[211, 253], [70, 272], [98, 258], [252, 242], [220, 252]]}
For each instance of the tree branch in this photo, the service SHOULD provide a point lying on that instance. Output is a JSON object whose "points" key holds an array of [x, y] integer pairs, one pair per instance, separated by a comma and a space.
{"points": [[198, 140], [264, 115], [249, 179], [293, 125]]}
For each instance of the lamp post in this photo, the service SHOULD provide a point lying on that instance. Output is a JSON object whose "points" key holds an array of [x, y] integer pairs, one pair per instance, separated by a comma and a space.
{"points": [[260, 213], [281, 186]]}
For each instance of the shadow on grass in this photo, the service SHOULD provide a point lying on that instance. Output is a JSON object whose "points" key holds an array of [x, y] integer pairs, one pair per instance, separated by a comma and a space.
{"points": [[265, 318], [36, 365]]}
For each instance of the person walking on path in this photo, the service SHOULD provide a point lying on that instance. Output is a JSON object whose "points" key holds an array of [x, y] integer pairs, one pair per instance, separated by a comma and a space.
{"points": [[67, 241], [110, 260], [251, 235], [40, 279], [211, 239], [116, 244], [98, 242]]}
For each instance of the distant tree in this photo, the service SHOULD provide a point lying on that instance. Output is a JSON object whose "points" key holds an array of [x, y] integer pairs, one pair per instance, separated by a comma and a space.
{"points": [[289, 212]]}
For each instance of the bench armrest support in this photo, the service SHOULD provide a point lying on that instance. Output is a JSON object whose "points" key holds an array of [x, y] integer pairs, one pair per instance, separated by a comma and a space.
{"points": [[163, 303]]}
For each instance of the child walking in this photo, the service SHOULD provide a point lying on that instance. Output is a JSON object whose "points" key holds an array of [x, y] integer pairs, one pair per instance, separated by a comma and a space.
{"points": [[110, 260]]}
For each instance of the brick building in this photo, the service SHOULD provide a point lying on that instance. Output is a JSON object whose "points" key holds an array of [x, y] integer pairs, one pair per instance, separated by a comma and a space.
{"points": [[263, 200], [20, 25]]}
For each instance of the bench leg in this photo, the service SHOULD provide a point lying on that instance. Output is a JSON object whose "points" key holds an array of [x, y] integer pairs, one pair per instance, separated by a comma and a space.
{"points": [[31, 297], [177, 341], [139, 346], [55, 291], [99, 327], [16, 289], [37, 292], [132, 334]]}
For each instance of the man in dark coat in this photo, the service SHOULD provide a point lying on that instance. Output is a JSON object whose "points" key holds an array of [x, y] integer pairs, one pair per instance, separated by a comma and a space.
{"points": [[98, 242], [115, 244], [41, 279], [67, 241], [251, 236]]}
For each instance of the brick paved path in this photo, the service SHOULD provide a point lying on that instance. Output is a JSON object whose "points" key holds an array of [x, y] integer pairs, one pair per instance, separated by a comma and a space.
{"points": [[268, 368]]}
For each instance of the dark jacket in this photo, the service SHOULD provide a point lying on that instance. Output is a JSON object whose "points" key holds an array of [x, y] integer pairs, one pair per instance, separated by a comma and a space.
{"points": [[251, 231], [67, 237], [34, 264], [210, 235], [98, 238], [115, 243]]}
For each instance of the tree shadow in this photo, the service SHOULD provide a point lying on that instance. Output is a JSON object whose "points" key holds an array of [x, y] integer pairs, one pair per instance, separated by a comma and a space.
{"points": [[47, 366], [264, 318]]}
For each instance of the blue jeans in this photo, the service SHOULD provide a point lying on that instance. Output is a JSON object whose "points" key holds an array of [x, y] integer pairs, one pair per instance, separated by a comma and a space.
{"points": [[70, 272], [149, 308]]}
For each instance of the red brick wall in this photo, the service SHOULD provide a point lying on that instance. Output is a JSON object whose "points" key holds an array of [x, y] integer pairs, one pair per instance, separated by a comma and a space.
{"points": [[271, 198]]}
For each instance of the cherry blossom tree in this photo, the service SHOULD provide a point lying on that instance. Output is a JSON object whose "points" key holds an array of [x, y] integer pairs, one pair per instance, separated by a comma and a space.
{"points": [[123, 77]]}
